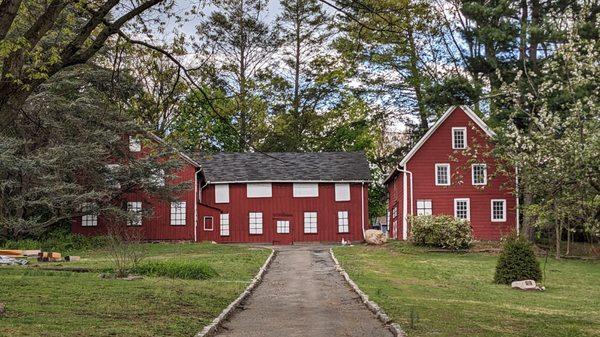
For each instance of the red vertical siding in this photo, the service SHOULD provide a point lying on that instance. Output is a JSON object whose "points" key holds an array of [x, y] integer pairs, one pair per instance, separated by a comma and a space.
{"points": [[438, 149], [157, 226], [282, 205]]}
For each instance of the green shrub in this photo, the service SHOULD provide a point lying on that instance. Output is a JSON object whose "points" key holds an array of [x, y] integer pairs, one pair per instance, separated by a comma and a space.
{"points": [[58, 241], [441, 231], [196, 270], [517, 261]]}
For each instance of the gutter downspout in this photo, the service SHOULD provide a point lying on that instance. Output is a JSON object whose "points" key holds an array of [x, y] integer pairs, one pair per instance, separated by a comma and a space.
{"points": [[405, 202], [196, 205], [362, 207]]}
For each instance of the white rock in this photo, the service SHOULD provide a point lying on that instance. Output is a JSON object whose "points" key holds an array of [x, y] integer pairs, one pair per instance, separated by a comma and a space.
{"points": [[524, 285], [375, 237]]}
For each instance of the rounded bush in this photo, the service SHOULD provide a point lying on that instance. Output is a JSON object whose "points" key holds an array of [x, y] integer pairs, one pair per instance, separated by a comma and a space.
{"points": [[517, 261], [441, 231]]}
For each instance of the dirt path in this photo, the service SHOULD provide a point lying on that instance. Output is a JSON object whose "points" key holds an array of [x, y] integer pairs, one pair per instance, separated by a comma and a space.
{"points": [[303, 295]]}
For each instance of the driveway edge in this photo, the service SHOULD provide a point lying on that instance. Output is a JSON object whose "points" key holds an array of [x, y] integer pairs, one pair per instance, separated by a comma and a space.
{"points": [[372, 306], [212, 327]]}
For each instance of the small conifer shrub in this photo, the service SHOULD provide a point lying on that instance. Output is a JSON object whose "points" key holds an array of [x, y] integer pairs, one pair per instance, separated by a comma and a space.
{"points": [[517, 261]]}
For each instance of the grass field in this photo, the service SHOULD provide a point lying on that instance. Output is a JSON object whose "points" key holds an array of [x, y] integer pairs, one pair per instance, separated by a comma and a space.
{"points": [[450, 294], [57, 303]]}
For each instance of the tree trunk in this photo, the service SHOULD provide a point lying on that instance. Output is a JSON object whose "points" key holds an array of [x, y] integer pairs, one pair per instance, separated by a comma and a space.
{"points": [[527, 229], [416, 80], [557, 233], [296, 99], [243, 113]]}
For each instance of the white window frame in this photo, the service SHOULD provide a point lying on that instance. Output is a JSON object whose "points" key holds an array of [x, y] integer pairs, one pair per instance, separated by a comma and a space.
{"points": [[259, 190], [310, 222], [422, 207], [110, 180], [224, 224], [90, 219], [135, 144], [464, 132], [503, 201], [135, 206], [395, 212], [212, 222], [221, 193], [255, 223], [449, 176], [342, 192], [484, 174], [305, 190], [456, 201], [178, 213], [343, 222], [281, 228]]}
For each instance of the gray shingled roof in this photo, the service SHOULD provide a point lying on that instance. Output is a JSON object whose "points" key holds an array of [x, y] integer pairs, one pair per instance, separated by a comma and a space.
{"points": [[286, 166]]}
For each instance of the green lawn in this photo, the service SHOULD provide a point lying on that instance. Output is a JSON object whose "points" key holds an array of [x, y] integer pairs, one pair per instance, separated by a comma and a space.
{"points": [[453, 294], [58, 303]]}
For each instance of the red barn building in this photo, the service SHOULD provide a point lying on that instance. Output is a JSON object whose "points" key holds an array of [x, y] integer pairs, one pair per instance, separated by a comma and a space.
{"points": [[282, 198], [278, 198], [169, 221], [451, 171]]}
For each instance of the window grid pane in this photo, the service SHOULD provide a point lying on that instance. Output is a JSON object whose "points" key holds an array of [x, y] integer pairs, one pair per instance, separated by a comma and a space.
{"points": [[498, 210], [283, 227], [178, 213], [224, 224], [442, 172], [135, 207], [424, 207], [343, 222], [310, 222], [256, 223], [459, 139], [462, 209], [479, 174]]}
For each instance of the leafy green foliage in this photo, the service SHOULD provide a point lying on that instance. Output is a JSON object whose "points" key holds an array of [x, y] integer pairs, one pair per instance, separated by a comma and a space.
{"points": [[58, 241], [517, 261], [184, 269], [441, 231]]}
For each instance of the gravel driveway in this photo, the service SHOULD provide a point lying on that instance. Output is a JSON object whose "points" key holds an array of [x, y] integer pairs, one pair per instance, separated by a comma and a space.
{"points": [[303, 295]]}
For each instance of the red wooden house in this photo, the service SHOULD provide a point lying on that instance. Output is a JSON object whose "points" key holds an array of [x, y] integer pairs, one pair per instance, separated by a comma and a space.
{"points": [[162, 220], [252, 197], [451, 171], [283, 198]]}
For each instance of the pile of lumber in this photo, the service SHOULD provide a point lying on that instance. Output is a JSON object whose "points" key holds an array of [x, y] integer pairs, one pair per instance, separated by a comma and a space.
{"points": [[55, 257], [19, 252]]}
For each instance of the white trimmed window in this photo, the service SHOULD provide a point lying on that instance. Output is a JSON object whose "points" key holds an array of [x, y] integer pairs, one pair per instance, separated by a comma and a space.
{"points": [[305, 190], [135, 208], [342, 192], [178, 213], [222, 193], [310, 222], [498, 210], [462, 208], [395, 212], [283, 226], [135, 145], [262, 190], [91, 218], [208, 223], [442, 174], [224, 224], [459, 138], [343, 222], [113, 170], [256, 222], [479, 174], [158, 178], [424, 207]]}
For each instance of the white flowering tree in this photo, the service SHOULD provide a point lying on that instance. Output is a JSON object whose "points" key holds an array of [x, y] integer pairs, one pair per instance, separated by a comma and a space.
{"points": [[558, 153]]}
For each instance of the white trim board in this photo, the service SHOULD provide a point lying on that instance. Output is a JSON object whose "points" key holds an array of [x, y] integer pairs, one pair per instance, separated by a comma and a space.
{"points": [[439, 122]]}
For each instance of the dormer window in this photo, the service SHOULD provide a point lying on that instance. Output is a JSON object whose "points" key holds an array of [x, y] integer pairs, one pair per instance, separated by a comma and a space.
{"points": [[459, 138], [134, 144]]}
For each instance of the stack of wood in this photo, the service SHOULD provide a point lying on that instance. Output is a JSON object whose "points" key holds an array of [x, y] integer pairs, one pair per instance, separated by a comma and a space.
{"points": [[49, 257], [19, 252]]}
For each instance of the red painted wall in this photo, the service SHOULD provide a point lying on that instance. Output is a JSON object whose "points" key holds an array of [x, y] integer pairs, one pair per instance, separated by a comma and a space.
{"points": [[282, 205], [438, 149], [157, 226]]}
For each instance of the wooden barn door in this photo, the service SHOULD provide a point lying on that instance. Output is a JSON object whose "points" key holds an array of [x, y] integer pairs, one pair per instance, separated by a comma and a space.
{"points": [[283, 231]]}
